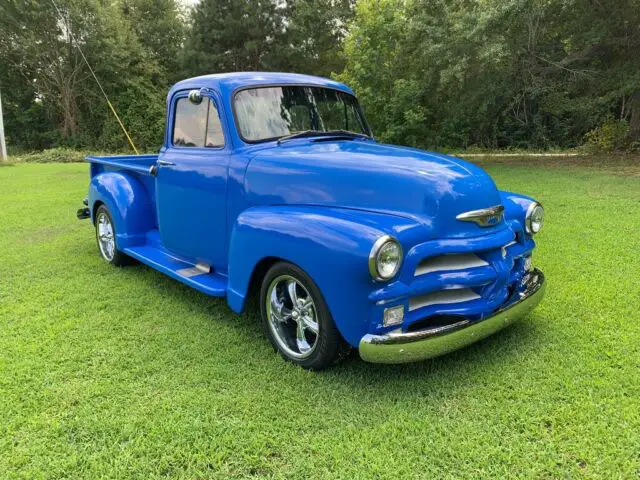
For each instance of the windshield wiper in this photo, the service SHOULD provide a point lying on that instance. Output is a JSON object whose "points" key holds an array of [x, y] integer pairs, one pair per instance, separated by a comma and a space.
{"points": [[346, 133], [323, 133], [302, 134]]}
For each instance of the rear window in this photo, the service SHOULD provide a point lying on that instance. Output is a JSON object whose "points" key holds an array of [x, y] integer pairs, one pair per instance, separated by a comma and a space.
{"points": [[197, 125]]}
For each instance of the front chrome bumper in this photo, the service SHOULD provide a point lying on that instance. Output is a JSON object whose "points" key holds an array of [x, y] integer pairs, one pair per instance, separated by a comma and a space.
{"points": [[398, 347]]}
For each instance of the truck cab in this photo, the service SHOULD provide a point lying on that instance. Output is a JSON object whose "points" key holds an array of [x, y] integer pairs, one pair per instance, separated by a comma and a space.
{"points": [[273, 183]]}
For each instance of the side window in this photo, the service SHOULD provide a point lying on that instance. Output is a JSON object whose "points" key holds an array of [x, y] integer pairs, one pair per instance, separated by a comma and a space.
{"points": [[215, 138], [197, 125], [190, 123]]}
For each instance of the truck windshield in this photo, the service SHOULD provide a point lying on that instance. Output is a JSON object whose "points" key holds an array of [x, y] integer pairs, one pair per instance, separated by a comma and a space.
{"points": [[268, 113]]}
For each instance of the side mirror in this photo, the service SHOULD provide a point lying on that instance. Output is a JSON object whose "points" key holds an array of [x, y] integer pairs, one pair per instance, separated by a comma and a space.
{"points": [[195, 97]]}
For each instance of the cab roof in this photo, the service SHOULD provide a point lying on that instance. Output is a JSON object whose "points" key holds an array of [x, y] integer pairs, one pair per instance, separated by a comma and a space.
{"points": [[227, 83]]}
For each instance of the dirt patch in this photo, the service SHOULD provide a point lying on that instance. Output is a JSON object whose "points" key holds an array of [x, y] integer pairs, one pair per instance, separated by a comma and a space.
{"points": [[44, 235], [624, 165], [70, 174]]}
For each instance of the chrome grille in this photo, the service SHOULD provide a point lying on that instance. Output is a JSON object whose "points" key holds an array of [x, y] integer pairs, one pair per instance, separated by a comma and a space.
{"points": [[460, 261], [443, 297]]}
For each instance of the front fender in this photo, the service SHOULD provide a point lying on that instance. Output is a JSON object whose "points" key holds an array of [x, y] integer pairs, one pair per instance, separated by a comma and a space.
{"points": [[128, 203], [515, 209], [331, 245]]}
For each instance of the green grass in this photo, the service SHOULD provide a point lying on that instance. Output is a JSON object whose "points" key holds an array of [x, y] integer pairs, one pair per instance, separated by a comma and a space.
{"points": [[124, 373]]}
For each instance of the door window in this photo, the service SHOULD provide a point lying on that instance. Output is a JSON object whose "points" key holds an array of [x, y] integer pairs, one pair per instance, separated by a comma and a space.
{"points": [[214, 137], [197, 125]]}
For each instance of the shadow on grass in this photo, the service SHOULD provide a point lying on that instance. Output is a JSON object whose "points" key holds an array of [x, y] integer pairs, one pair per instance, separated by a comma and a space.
{"points": [[352, 376], [493, 350]]}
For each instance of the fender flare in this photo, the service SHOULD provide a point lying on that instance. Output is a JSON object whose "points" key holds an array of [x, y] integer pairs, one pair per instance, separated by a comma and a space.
{"points": [[515, 209], [331, 245], [128, 203]]}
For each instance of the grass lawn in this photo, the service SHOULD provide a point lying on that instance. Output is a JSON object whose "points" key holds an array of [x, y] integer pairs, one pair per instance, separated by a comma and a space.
{"points": [[124, 373]]}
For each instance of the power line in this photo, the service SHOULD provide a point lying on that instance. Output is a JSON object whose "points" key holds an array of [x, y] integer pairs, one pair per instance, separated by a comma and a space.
{"points": [[97, 81]]}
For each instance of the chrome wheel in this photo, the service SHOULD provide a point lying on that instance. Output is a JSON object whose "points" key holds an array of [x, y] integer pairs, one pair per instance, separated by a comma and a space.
{"points": [[106, 237], [292, 316]]}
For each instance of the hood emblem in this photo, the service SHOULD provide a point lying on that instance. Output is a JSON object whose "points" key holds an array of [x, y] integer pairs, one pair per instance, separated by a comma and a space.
{"points": [[485, 217]]}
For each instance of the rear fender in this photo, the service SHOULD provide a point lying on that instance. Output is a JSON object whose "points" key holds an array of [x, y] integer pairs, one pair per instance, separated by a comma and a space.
{"points": [[331, 245], [128, 203]]}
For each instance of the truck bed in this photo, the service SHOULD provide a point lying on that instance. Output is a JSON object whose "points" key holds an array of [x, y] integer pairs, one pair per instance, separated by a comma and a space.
{"points": [[151, 251], [136, 163]]}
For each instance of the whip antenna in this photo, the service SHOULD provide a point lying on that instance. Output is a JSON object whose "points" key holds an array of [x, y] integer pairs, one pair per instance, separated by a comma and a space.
{"points": [[73, 38]]}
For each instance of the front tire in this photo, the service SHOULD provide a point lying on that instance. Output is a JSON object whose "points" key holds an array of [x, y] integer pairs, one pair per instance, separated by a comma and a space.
{"points": [[296, 319], [106, 238]]}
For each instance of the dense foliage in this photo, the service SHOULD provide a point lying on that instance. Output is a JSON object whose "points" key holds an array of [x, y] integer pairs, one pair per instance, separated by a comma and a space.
{"points": [[497, 73], [430, 73], [48, 93]]}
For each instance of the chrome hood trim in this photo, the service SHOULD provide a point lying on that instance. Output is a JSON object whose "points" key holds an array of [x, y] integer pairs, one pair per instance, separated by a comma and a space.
{"points": [[485, 217]]}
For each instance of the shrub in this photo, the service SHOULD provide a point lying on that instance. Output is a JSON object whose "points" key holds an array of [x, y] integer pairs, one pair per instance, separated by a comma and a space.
{"points": [[52, 155], [609, 137]]}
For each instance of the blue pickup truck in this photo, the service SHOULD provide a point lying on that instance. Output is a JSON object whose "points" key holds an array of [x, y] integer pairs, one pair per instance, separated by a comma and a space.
{"points": [[272, 184]]}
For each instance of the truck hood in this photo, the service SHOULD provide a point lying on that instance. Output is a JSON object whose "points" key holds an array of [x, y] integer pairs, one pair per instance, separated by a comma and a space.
{"points": [[428, 187]]}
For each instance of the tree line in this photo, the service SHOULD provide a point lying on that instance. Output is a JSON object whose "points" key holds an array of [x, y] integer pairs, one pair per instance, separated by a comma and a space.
{"points": [[531, 74]]}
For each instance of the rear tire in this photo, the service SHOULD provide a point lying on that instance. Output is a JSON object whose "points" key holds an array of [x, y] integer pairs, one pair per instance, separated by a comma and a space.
{"points": [[296, 319], [106, 238]]}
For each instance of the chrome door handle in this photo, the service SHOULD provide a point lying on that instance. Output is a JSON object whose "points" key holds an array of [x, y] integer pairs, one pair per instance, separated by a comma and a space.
{"points": [[165, 163]]}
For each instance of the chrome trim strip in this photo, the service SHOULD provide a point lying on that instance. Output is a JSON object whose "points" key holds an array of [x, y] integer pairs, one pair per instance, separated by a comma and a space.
{"points": [[485, 217], [203, 267], [398, 347], [190, 272]]}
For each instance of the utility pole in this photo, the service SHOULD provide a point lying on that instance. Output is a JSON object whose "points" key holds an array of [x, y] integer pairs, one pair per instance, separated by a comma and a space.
{"points": [[3, 146]]}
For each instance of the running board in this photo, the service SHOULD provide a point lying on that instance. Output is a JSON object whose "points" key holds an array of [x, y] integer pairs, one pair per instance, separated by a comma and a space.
{"points": [[197, 276]]}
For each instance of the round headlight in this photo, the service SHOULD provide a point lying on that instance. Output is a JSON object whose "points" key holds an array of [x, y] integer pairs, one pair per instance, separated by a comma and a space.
{"points": [[385, 258], [535, 218]]}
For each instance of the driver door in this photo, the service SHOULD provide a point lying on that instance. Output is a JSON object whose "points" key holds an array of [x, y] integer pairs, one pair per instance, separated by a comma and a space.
{"points": [[191, 184]]}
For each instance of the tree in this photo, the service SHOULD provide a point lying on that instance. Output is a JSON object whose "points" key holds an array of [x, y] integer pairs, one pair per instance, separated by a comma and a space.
{"points": [[51, 79], [495, 73], [39, 46], [160, 27], [314, 35], [233, 35], [430, 73], [302, 36]]}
